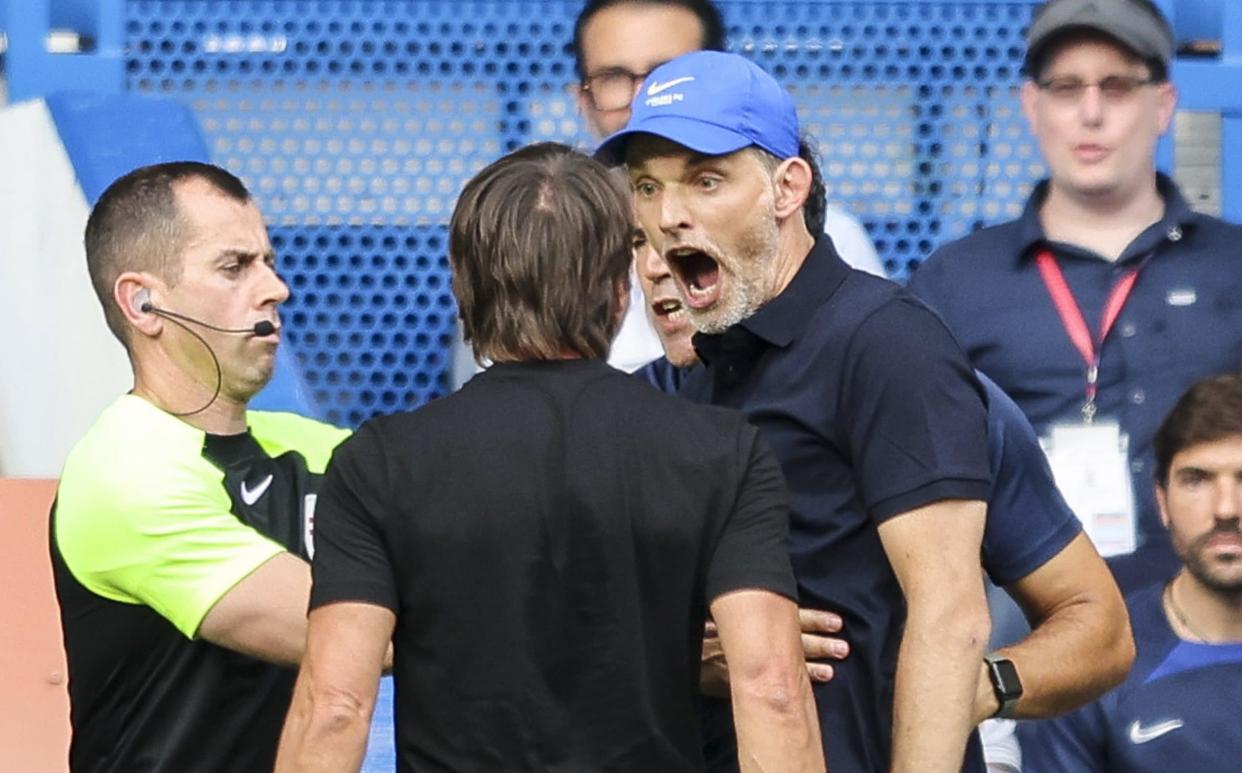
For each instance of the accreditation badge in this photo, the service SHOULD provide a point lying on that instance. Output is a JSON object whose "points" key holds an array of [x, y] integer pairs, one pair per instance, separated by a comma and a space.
{"points": [[1091, 465]]}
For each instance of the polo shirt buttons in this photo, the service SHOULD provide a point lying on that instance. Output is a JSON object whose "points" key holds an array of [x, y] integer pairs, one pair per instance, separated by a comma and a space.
{"points": [[1128, 329], [1136, 466], [1175, 234], [1138, 396]]}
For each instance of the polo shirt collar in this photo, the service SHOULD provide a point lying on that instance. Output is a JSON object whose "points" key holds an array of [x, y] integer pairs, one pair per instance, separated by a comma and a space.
{"points": [[779, 321], [1177, 216]]}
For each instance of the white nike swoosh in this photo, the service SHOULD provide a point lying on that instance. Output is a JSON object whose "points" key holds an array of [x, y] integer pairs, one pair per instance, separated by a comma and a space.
{"points": [[1140, 734], [656, 88], [251, 495]]}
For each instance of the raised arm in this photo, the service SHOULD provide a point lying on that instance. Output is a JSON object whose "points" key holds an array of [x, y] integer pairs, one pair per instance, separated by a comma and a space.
{"points": [[330, 715], [934, 551], [773, 709], [1080, 646]]}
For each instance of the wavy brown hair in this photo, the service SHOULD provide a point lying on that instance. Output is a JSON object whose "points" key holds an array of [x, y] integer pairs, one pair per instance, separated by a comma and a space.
{"points": [[540, 246], [1210, 410]]}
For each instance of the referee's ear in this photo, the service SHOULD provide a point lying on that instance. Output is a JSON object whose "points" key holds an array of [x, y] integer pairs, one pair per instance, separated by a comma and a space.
{"points": [[792, 181]]}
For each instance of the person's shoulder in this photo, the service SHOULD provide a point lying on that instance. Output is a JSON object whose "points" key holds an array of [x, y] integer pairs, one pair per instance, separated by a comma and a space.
{"points": [[1220, 232], [279, 432], [135, 462], [131, 439], [986, 246]]}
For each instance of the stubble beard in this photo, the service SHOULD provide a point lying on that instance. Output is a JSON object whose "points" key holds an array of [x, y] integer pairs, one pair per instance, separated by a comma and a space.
{"points": [[1223, 581], [753, 266]]}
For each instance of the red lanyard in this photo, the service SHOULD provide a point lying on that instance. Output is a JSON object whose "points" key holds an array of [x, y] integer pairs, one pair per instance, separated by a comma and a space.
{"points": [[1076, 325]]}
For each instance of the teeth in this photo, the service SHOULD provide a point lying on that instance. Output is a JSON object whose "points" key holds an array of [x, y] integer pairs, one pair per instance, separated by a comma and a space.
{"points": [[696, 291], [668, 307]]}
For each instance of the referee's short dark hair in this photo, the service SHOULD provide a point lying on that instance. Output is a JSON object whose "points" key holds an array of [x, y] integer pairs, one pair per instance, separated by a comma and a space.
{"points": [[540, 246], [1210, 410], [706, 11], [137, 226]]}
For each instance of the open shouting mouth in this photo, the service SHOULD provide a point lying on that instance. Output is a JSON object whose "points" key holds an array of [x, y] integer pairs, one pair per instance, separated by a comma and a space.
{"points": [[697, 275]]}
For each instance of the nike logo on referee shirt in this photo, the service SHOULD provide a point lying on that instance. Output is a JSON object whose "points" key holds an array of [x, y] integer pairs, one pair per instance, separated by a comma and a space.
{"points": [[1142, 734], [251, 495]]}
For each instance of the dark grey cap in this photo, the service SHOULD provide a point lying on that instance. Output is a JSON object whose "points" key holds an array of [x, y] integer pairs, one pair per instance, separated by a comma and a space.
{"points": [[1136, 24]]}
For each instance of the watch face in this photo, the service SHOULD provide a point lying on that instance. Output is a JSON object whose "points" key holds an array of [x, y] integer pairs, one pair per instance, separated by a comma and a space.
{"points": [[1006, 682]]}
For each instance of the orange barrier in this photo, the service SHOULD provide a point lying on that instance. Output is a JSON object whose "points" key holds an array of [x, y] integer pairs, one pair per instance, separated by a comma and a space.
{"points": [[34, 704]]}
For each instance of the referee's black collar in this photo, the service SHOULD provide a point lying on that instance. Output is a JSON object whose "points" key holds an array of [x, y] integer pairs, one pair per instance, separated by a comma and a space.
{"points": [[782, 319]]}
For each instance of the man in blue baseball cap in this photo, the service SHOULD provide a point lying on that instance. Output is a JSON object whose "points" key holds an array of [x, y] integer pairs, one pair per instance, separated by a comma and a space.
{"points": [[873, 410], [1032, 545]]}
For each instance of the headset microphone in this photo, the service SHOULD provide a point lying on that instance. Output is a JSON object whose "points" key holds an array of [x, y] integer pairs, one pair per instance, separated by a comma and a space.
{"points": [[142, 302], [261, 328]]}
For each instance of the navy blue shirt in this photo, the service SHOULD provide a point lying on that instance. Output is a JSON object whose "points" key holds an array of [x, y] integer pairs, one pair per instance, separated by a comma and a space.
{"points": [[1182, 323], [872, 410], [1028, 522], [1177, 711]]}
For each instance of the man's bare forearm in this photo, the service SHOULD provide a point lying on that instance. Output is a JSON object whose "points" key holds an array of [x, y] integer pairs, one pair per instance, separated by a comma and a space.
{"points": [[1081, 645], [347, 645], [323, 732], [777, 725], [937, 677], [934, 551]]}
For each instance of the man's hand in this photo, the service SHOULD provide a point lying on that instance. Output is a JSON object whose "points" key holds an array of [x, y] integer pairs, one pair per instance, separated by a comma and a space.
{"points": [[816, 646]]}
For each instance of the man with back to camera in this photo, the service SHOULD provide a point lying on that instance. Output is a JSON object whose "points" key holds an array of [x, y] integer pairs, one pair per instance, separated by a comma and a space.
{"points": [[822, 359], [616, 43], [601, 520], [1108, 297], [1179, 708], [182, 524]]}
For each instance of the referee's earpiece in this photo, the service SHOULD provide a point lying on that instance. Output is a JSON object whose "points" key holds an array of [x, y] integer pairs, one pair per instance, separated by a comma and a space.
{"points": [[142, 301]]}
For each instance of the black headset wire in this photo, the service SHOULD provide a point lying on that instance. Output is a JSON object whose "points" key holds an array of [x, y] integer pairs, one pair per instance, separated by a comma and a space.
{"points": [[175, 318]]}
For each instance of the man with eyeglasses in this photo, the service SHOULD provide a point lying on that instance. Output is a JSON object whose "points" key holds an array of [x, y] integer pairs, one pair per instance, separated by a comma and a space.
{"points": [[617, 43], [1109, 296]]}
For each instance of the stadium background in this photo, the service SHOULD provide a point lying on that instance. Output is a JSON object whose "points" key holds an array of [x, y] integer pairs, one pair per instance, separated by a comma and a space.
{"points": [[355, 123]]}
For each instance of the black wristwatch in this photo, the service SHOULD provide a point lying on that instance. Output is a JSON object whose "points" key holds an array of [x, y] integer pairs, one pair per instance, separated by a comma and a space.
{"points": [[1005, 683]]}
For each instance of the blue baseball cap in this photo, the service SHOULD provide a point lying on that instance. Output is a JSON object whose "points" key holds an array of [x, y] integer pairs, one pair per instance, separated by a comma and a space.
{"points": [[712, 103]]}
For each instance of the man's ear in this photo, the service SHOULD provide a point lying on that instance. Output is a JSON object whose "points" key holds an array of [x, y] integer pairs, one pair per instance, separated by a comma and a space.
{"points": [[581, 98], [1162, 503], [130, 291], [792, 182], [621, 292], [1027, 97]]}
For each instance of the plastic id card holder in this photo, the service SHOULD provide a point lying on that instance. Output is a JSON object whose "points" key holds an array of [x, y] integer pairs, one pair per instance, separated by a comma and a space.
{"points": [[1090, 463]]}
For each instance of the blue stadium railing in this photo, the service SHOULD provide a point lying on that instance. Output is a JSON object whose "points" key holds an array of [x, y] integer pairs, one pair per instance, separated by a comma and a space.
{"points": [[356, 121]]}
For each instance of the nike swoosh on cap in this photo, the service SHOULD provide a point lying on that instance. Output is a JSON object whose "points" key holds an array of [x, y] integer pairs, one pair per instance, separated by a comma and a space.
{"points": [[251, 495], [1140, 734], [656, 88]]}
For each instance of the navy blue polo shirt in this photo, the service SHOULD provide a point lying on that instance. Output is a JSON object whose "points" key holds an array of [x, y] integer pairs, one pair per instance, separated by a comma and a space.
{"points": [[1029, 521], [872, 410], [1177, 711], [1182, 323]]}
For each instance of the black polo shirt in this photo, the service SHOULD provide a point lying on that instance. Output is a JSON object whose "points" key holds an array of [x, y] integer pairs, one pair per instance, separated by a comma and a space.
{"points": [[873, 411], [549, 538], [1182, 323]]}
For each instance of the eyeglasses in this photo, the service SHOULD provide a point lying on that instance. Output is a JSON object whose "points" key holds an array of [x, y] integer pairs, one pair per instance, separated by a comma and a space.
{"points": [[612, 89], [1114, 88]]}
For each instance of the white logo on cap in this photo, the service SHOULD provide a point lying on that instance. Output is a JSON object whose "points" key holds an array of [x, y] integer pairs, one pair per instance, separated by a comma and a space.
{"points": [[656, 88]]}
